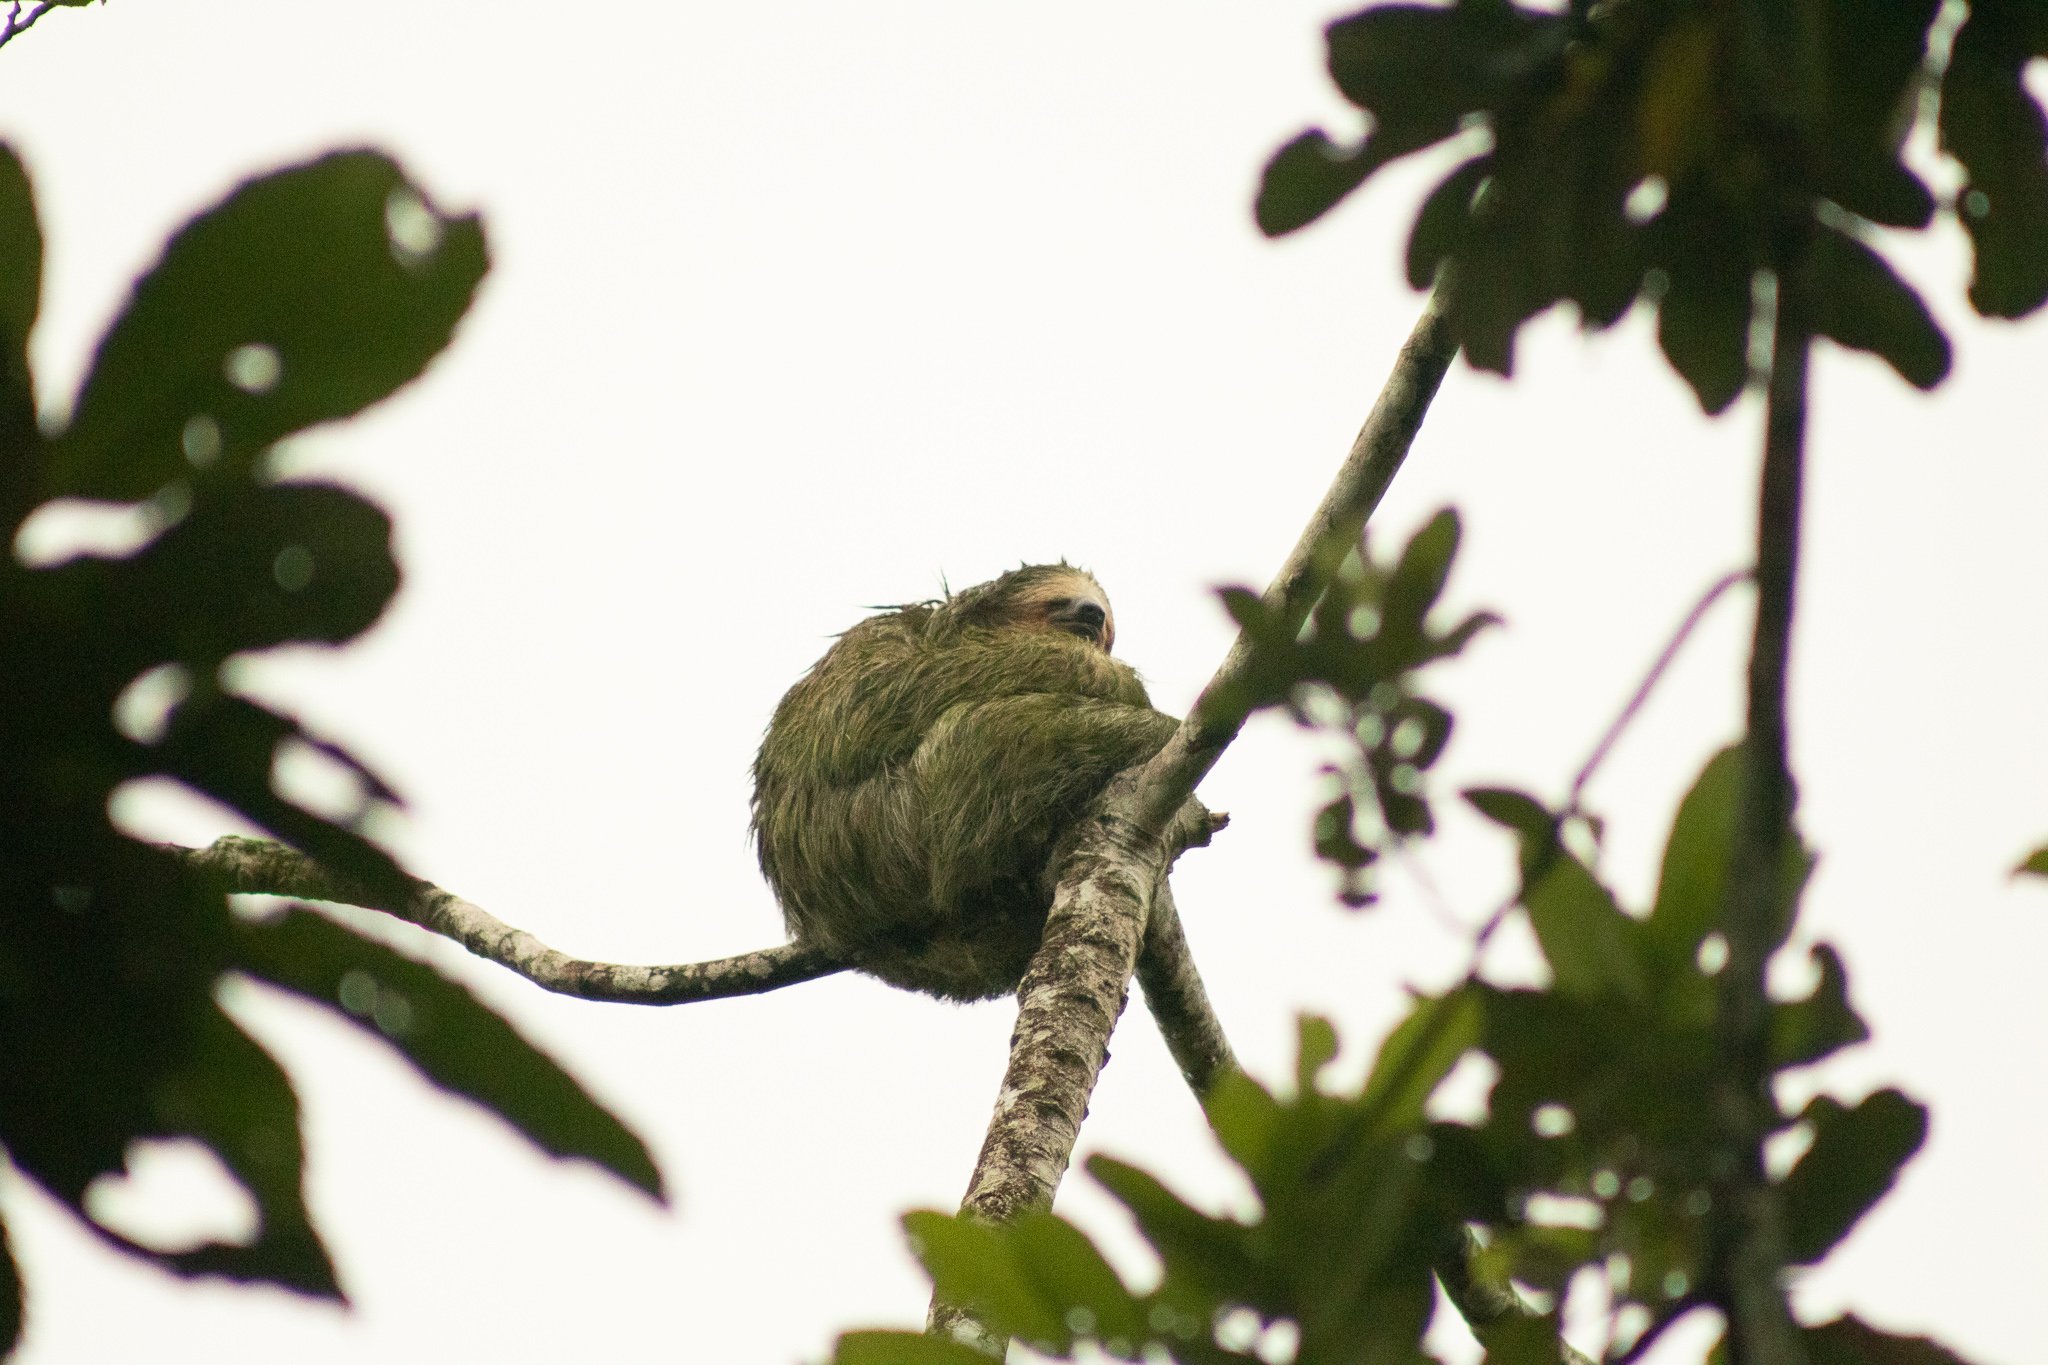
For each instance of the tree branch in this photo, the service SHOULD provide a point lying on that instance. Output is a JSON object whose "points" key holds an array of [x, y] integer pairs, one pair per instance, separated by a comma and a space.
{"points": [[261, 867], [1079, 979], [1748, 1242]]}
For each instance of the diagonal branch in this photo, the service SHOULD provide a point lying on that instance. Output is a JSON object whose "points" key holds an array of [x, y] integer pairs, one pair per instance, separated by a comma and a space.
{"points": [[261, 867], [1079, 979]]}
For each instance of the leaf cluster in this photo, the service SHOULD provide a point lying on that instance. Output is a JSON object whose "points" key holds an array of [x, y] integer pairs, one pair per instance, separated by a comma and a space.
{"points": [[302, 297], [1348, 670], [1598, 1154], [1686, 152]]}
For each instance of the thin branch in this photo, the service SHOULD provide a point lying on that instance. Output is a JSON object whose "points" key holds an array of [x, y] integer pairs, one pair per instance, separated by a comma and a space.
{"points": [[1376, 456], [1650, 681], [261, 867], [16, 24], [1177, 999]]}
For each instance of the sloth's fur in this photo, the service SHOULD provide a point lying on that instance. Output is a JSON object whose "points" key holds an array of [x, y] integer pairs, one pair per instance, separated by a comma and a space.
{"points": [[911, 785]]}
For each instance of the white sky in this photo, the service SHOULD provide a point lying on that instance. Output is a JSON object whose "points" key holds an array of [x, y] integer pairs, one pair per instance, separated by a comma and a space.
{"points": [[798, 306]]}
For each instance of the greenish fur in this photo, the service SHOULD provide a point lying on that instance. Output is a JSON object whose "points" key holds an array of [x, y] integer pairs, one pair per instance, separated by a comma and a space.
{"points": [[911, 785]]}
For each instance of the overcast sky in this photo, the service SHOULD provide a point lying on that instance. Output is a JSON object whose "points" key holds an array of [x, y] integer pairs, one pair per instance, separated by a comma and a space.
{"points": [[800, 307]]}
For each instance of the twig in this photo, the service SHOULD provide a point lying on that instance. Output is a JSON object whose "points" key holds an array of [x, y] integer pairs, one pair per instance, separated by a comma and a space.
{"points": [[1650, 681], [16, 24], [261, 867]]}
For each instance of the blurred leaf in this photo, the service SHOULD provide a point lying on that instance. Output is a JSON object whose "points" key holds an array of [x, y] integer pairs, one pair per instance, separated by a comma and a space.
{"points": [[1703, 316], [1417, 1055], [306, 295], [1306, 178], [902, 1348], [1994, 127], [1804, 1031], [453, 1040], [1315, 1047], [1206, 1258], [972, 1266], [21, 247], [1850, 1341], [1519, 1340], [1424, 567], [2035, 864], [1695, 866], [1419, 69], [1855, 1157], [1872, 51], [1443, 221], [1860, 302], [1590, 944]]}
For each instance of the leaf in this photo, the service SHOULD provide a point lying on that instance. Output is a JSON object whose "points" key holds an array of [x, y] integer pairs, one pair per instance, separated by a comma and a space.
{"points": [[1703, 317], [2035, 864], [902, 1348], [1994, 127], [1521, 1340], [306, 295], [971, 1266], [1206, 1256], [232, 1097], [451, 1038], [1418, 70], [1590, 944], [1307, 178], [1850, 1341], [261, 565], [1424, 567], [1861, 303], [1873, 51], [1695, 867], [21, 247], [1855, 1157], [1804, 1031], [1443, 220], [1069, 1274], [1417, 1055]]}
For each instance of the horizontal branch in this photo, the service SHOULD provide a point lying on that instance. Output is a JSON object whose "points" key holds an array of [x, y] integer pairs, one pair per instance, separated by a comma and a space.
{"points": [[262, 867]]}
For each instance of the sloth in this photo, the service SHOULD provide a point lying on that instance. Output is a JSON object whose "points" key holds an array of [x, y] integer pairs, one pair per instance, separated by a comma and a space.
{"points": [[912, 785]]}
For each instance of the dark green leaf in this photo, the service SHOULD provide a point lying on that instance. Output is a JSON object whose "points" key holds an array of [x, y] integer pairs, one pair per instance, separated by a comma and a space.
{"points": [[455, 1041], [1443, 221], [1419, 69], [903, 1348], [1873, 50], [1246, 1119], [261, 565], [2035, 864], [1307, 178], [1861, 303], [1703, 317], [21, 247], [1804, 1031], [1850, 1341], [1994, 127], [1855, 1157], [1517, 811], [306, 295]]}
